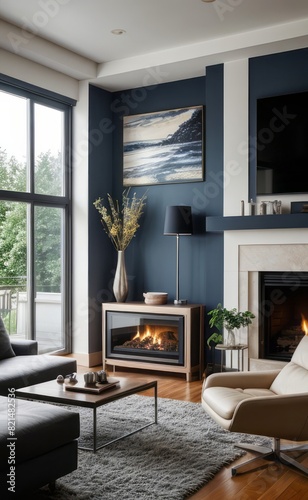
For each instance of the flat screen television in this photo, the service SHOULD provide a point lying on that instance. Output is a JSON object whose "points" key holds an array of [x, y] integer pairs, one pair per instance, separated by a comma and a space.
{"points": [[282, 144]]}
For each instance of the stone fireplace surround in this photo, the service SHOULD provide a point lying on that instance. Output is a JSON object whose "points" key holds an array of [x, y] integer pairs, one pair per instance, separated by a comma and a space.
{"points": [[246, 254]]}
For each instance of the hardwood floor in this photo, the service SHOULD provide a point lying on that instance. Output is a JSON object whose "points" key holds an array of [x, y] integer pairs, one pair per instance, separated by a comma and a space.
{"points": [[276, 481]]}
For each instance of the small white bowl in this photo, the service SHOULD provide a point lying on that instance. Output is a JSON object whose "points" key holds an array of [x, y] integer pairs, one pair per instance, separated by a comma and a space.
{"points": [[155, 298]]}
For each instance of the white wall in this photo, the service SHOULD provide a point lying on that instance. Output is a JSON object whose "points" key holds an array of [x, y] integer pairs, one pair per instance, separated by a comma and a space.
{"points": [[235, 162], [235, 135], [80, 224]]}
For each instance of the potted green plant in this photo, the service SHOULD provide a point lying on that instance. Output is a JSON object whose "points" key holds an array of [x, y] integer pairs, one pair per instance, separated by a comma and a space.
{"points": [[231, 319]]}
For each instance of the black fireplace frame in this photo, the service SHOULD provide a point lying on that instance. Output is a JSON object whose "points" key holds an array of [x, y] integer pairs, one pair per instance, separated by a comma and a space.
{"points": [[148, 356], [279, 282]]}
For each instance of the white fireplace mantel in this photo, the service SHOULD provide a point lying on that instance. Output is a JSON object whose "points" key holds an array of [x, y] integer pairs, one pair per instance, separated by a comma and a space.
{"points": [[246, 254]]}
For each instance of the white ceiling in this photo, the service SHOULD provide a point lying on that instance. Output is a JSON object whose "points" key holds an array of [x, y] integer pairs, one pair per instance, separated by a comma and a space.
{"points": [[165, 40]]}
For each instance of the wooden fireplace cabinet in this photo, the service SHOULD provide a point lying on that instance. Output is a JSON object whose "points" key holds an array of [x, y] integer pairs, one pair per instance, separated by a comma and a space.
{"points": [[193, 316]]}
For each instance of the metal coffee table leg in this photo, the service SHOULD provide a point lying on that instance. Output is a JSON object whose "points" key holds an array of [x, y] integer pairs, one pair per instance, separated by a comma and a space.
{"points": [[96, 448]]}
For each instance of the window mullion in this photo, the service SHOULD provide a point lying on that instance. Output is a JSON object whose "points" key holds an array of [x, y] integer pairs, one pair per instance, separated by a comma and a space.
{"points": [[31, 146], [30, 264], [30, 222]]}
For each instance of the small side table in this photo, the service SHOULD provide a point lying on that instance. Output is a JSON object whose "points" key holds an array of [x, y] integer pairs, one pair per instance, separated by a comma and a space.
{"points": [[240, 348]]}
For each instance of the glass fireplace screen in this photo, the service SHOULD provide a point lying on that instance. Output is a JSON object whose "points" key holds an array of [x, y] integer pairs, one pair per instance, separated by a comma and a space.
{"points": [[157, 338], [283, 313]]}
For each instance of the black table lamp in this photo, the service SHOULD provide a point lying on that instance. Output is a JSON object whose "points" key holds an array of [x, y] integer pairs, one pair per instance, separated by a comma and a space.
{"points": [[178, 222]]}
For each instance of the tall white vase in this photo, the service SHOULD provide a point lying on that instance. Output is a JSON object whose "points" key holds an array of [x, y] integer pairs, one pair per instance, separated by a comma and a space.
{"points": [[120, 285]]}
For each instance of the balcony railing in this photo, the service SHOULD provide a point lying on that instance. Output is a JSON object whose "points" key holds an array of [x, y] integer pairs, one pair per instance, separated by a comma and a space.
{"points": [[14, 309], [10, 288]]}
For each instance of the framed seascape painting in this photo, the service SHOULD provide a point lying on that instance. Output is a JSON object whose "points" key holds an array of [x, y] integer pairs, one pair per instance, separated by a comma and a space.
{"points": [[163, 147]]}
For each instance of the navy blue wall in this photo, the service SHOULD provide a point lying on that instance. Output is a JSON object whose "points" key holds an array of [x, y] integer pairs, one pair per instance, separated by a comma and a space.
{"points": [[100, 133], [272, 75], [213, 191], [150, 258]]}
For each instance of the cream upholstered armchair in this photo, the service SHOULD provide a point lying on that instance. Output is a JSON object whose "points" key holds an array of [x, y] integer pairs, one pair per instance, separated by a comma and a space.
{"points": [[269, 403]]}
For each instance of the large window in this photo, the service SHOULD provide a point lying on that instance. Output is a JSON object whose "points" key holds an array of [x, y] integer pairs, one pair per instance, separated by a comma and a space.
{"points": [[35, 145]]}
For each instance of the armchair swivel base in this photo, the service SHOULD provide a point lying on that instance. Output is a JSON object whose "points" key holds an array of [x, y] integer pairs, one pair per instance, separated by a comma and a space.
{"points": [[275, 454]]}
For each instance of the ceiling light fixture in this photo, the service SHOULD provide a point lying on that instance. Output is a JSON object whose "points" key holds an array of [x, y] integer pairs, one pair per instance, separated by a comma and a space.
{"points": [[207, 1], [118, 32]]}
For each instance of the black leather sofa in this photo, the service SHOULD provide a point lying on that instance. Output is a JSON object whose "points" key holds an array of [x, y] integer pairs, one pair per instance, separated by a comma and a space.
{"points": [[38, 444], [38, 441], [27, 367]]}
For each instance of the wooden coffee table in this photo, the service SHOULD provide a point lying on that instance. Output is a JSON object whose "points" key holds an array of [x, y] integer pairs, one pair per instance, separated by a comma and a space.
{"points": [[52, 392]]}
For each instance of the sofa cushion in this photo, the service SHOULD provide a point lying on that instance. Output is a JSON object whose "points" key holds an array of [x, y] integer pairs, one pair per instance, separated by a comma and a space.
{"points": [[300, 355], [21, 347], [292, 379], [22, 371], [6, 350], [39, 429]]}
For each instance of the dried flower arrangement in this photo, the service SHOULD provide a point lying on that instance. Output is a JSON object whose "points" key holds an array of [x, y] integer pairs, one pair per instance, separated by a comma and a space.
{"points": [[121, 222]]}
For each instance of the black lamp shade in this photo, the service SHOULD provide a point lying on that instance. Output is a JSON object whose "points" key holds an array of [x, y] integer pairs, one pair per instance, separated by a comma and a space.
{"points": [[178, 220]]}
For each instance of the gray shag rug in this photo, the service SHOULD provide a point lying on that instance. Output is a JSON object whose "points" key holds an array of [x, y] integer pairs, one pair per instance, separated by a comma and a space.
{"points": [[168, 461]]}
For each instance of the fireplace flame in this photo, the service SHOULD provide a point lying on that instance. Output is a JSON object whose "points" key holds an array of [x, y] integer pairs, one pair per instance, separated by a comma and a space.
{"points": [[148, 334], [154, 338], [304, 325]]}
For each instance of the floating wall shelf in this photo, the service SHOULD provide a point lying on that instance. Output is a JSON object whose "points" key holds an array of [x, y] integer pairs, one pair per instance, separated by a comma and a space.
{"points": [[248, 222]]}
